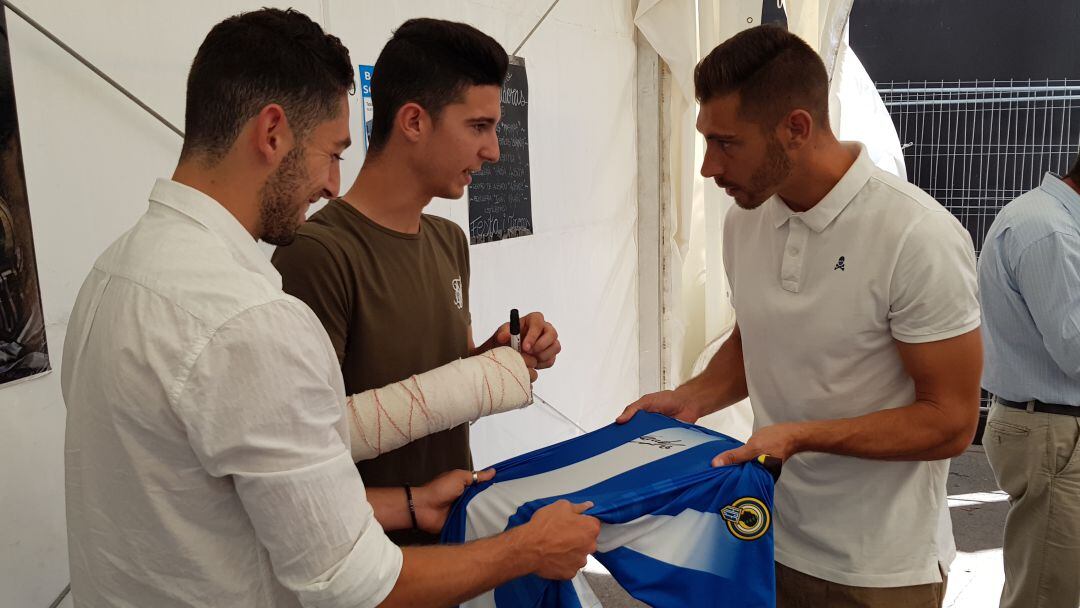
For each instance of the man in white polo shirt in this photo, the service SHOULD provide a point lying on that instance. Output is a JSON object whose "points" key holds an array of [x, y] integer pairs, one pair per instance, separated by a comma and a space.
{"points": [[857, 338]]}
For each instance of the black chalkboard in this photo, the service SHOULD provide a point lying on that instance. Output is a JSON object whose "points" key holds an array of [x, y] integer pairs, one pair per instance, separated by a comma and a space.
{"points": [[954, 40], [773, 12], [500, 196]]}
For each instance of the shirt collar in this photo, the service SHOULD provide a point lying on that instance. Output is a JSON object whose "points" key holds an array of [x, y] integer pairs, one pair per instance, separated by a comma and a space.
{"points": [[1057, 188], [828, 209], [207, 212]]}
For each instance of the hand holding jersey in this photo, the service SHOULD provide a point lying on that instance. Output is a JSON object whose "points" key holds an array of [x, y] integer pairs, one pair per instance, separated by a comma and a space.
{"points": [[557, 537], [778, 441], [434, 499], [668, 403]]}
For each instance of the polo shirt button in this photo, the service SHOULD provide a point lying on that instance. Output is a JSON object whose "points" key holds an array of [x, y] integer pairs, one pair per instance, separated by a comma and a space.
{"points": [[793, 250]]}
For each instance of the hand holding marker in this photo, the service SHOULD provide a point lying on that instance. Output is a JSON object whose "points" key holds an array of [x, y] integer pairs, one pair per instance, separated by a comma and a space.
{"points": [[515, 343]]}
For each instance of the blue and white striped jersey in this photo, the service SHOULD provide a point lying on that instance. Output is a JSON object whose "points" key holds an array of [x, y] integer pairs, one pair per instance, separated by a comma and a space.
{"points": [[675, 531]]}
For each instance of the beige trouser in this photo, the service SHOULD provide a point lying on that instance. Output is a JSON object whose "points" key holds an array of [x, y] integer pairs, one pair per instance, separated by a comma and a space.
{"points": [[1036, 460], [796, 589]]}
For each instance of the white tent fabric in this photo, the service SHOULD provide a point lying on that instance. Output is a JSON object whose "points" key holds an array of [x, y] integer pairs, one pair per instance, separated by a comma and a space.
{"points": [[697, 309], [821, 24], [861, 114], [670, 27]]}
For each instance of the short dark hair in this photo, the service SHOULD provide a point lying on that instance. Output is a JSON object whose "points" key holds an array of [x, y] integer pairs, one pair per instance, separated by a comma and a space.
{"points": [[772, 70], [430, 62], [258, 58]]}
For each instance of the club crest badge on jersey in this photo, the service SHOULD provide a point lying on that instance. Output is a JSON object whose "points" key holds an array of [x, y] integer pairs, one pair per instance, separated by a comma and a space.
{"points": [[747, 518]]}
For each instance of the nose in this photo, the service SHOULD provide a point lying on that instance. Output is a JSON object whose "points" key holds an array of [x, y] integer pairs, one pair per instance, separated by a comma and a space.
{"points": [[710, 167], [333, 182], [489, 153]]}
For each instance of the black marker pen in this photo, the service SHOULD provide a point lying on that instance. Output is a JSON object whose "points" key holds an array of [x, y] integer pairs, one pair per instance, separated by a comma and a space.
{"points": [[515, 330]]}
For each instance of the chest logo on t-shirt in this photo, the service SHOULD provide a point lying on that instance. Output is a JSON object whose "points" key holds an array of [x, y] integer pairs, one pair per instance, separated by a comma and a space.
{"points": [[839, 264], [459, 298]]}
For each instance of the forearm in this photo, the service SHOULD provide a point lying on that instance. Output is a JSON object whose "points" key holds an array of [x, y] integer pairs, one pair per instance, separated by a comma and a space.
{"points": [[462, 391], [449, 575], [923, 430], [723, 382], [391, 507]]}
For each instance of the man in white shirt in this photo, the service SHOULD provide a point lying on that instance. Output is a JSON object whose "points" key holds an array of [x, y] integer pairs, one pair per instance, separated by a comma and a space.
{"points": [[207, 452], [857, 337]]}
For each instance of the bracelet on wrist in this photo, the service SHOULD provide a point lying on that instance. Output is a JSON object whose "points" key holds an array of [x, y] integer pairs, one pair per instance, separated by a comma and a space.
{"points": [[412, 506]]}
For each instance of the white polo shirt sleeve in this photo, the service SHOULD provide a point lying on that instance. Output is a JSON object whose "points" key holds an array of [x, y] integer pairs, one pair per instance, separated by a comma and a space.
{"points": [[934, 287], [261, 407]]}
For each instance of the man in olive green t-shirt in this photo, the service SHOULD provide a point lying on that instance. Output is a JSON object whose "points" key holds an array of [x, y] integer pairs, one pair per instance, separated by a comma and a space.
{"points": [[390, 283]]}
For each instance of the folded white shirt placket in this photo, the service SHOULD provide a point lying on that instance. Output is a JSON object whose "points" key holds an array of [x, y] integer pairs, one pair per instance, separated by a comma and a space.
{"points": [[794, 253]]}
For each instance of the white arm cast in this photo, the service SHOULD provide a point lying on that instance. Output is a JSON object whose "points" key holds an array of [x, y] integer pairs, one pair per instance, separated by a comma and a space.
{"points": [[386, 418]]}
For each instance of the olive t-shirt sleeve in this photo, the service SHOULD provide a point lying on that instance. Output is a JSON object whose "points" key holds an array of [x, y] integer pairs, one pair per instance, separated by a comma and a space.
{"points": [[312, 272]]}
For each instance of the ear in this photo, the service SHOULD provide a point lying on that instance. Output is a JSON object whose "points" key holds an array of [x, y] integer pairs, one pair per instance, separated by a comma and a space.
{"points": [[412, 121], [796, 129], [272, 134]]}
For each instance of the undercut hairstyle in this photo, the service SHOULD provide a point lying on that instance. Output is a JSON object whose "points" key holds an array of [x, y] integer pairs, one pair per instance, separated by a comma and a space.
{"points": [[1074, 173], [432, 63], [255, 59], [773, 71]]}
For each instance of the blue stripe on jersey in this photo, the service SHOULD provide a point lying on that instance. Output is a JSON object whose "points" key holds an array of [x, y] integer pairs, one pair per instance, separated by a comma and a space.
{"points": [[650, 581], [670, 512]]}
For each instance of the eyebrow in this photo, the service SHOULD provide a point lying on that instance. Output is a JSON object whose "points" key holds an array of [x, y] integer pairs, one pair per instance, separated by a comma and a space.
{"points": [[345, 143], [482, 120]]}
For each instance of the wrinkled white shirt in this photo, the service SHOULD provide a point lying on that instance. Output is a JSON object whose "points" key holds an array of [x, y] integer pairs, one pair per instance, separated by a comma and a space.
{"points": [[207, 453]]}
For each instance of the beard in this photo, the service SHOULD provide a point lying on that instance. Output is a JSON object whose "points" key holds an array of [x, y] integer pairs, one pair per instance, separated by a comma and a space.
{"points": [[279, 211], [767, 178]]}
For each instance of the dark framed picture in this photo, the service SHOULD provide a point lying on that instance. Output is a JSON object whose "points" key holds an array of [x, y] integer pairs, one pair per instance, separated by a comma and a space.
{"points": [[23, 351]]}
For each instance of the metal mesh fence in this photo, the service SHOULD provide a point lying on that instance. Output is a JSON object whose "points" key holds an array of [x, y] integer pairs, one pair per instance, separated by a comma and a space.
{"points": [[976, 145]]}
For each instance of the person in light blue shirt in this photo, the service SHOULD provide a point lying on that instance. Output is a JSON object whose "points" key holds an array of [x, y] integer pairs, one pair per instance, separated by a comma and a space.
{"points": [[1029, 279]]}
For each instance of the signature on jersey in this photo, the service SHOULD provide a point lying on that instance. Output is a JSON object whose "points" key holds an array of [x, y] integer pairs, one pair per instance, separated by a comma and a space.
{"points": [[659, 443]]}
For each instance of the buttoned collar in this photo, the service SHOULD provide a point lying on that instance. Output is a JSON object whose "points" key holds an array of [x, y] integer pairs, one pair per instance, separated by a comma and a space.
{"points": [[829, 208]]}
